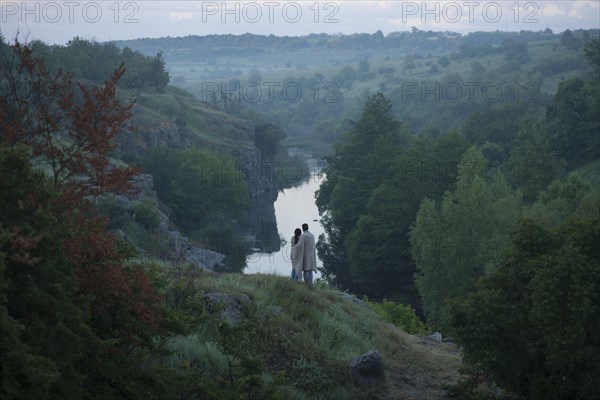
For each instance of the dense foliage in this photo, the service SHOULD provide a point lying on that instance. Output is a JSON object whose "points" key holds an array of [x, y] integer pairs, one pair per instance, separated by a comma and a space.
{"points": [[80, 320], [91, 61], [206, 192], [456, 242], [532, 324], [375, 182], [500, 236], [486, 231]]}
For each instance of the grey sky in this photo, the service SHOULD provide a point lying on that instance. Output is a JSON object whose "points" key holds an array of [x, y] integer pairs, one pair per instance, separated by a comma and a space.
{"points": [[59, 21]]}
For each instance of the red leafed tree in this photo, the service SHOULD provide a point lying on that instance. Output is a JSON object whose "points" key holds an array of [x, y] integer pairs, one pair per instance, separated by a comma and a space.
{"points": [[70, 128]]}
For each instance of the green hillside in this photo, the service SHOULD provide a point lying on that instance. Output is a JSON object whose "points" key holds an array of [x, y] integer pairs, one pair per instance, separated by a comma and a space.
{"points": [[289, 341], [208, 126]]}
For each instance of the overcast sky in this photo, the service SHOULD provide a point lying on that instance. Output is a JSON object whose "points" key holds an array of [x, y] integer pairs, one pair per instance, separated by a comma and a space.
{"points": [[59, 21]]}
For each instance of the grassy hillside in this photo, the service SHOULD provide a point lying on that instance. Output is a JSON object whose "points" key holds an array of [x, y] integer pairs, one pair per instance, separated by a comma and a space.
{"points": [[293, 342], [206, 125]]}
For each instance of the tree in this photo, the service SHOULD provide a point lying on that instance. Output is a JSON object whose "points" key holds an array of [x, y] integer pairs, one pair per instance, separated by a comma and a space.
{"points": [[456, 242], [531, 325], [592, 52], [345, 77], [268, 138], [572, 116], [564, 199], [375, 182], [408, 63], [68, 126], [68, 285], [533, 164], [573, 121], [26, 371], [364, 70], [361, 162], [516, 53], [498, 124], [444, 61], [202, 189], [477, 69], [569, 40]]}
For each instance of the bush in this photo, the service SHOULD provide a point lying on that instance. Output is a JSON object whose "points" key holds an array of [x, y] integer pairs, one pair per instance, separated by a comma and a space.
{"points": [[400, 315], [197, 184], [145, 214]]}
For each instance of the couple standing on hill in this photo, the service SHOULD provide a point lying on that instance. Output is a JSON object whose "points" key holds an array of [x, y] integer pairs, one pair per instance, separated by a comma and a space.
{"points": [[303, 255]]}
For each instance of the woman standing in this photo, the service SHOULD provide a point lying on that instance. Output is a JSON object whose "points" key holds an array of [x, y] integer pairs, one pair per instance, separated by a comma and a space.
{"points": [[296, 256]]}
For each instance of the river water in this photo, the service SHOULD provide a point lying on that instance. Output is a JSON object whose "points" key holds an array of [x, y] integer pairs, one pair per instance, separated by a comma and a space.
{"points": [[293, 207]]}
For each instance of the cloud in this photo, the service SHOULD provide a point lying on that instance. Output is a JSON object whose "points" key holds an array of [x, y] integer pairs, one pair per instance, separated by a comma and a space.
{"points": [[578, 8], [551, 10], [179, 16]]}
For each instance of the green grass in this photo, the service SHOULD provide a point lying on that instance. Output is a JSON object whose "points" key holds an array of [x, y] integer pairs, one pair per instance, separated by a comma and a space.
{"points": [[207, 125], [302, 353]]}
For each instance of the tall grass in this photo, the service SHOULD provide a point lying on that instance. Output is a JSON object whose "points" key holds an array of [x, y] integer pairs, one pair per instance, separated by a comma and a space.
{"points": [[301, 353]]}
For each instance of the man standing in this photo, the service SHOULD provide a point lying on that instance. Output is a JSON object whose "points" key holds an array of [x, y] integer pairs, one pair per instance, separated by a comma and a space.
{"points": [[309, 254]]}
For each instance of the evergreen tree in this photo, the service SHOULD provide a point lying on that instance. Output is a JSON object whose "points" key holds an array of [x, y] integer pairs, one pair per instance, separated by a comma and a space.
{"points": [[361, 163]]}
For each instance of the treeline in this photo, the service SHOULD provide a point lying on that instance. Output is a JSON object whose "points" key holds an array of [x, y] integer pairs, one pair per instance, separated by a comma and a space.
{"points": [[193, 47], [93, 61], [488, 233], [432, 90]]}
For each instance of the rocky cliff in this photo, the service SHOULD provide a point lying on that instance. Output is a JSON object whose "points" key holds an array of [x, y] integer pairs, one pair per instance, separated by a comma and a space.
{"points": [[178, 120]]}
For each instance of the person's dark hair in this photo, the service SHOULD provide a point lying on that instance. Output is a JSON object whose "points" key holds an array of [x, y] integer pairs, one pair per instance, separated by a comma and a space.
{"points": [[304, 227], [297, 234]]}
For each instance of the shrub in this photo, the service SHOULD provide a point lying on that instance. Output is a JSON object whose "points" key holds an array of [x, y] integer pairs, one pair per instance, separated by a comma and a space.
{"points": [[400, 315], [145, 214]]}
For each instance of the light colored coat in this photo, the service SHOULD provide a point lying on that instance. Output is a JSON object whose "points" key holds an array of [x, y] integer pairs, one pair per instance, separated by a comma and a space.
{"points": [[296, 257], [308, 250]]}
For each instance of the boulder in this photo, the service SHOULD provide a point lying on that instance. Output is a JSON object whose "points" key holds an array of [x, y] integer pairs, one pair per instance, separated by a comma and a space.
{"points": [[435, 337], [203, 258], [367, 369], [228, 306]]}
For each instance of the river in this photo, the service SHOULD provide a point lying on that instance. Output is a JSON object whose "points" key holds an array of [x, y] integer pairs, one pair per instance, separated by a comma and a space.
{"points": [[293, 207]]}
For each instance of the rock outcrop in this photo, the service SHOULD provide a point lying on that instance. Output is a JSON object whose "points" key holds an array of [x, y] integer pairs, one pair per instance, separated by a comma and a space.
{"points": [[228, 306], [367, 369], [179, 247], [220, 132], [353, 299]]}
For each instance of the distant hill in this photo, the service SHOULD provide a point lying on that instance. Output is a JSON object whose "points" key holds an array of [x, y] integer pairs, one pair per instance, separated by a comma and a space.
{"points": [[312, 85]]}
